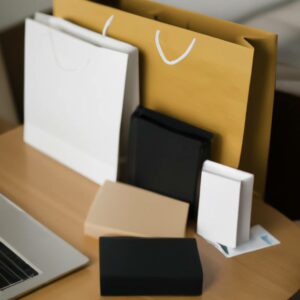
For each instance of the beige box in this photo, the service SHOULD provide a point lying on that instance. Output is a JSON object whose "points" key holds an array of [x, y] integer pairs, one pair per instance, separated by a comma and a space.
{"points": [[123, 210]]}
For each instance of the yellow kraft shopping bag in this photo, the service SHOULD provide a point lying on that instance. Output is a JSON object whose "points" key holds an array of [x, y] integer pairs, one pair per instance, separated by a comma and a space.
{"points": [[211, 73]]}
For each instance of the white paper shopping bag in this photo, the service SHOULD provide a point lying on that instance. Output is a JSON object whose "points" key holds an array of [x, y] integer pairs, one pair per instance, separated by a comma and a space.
{"points": [[132, 87], [225, 204], [75, 95]]}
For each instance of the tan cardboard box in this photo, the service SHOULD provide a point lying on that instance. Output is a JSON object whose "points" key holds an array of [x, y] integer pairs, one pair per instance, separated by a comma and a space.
{"points": [[123, 210]]}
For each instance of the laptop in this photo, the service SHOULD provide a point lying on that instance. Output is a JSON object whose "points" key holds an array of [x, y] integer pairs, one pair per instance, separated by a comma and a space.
{"points": [[30, 254]]}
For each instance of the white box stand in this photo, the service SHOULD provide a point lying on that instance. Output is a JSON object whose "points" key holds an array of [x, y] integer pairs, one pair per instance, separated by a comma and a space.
{"points": [[225, 203]]}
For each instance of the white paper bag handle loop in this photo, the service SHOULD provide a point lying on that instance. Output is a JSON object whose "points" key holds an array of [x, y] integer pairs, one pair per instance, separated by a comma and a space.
{"points": [[107, 25], [59, 61], [177, 60]]}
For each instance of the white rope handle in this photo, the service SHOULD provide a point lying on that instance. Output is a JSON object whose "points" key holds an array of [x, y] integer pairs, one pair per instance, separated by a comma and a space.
{"points": [[177, 60], [59, 61], [107, 25]]}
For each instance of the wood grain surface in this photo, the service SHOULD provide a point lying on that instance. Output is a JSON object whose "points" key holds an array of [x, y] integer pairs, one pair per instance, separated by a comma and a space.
{"points": [[60, 199]]}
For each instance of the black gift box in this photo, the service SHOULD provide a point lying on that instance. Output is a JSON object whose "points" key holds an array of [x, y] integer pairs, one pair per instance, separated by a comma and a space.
{"points": [[166, 155], [149, 266]]}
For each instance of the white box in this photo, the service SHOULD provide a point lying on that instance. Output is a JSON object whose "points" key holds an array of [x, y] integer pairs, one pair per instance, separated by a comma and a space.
{"points": [[79, 87], [225, 203]]}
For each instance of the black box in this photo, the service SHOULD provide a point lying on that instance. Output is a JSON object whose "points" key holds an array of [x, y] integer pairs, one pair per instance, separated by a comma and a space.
{"points": [[166, 155], [149, 266]]}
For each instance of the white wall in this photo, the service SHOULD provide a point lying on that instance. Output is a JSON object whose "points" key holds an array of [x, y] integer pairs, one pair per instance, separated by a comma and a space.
{"points": [[233, 10], [15, 11]]}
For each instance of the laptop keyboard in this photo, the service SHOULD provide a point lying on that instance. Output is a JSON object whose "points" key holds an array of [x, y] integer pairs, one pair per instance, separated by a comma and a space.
{"points": [[13, 269]]}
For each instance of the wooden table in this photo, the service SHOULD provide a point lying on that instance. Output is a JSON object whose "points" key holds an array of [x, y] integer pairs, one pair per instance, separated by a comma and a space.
{"points": [[60, 199]]}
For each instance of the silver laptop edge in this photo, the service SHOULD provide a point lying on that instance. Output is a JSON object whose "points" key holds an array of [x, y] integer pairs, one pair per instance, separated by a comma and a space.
{"points": [[45, 256]]}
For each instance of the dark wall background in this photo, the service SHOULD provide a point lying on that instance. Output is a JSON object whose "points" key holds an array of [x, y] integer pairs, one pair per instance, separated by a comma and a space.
{"points": [[12, 43]]}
